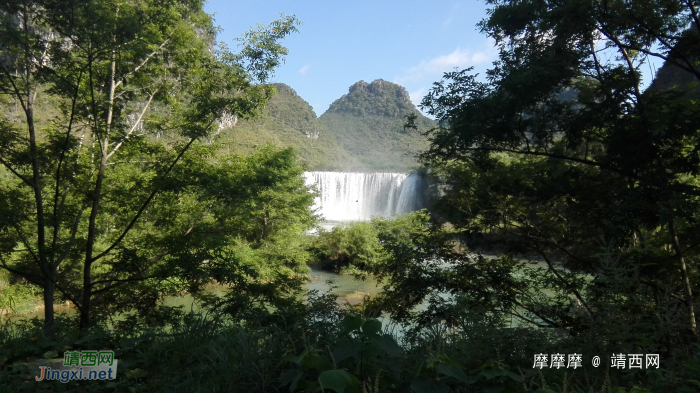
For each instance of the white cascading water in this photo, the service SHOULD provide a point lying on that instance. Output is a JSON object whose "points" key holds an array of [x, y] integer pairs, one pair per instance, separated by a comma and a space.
{"points": [[353, 196]]}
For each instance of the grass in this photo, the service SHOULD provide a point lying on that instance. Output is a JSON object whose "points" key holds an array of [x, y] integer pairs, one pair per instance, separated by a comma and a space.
{"points": [[18, 297]]}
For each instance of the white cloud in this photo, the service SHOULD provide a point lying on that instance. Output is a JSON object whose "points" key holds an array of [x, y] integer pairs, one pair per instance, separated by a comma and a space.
{"points": [[436, 66], [448, 22], [481, 57], [417, 96], [303, 70]]}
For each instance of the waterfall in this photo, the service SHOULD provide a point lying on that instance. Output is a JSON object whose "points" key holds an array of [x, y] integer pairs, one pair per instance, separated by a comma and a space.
{"points": [[348, 196]]}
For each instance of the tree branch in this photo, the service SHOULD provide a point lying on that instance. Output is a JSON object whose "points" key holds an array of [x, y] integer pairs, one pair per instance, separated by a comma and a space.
{"points": [[26, 245], [133, 128], [14, 172], [670, 47], [29, 277], [143, 63], [694, 14], [18, 94], [56, 208], [565, 283], [149, 199], [120, 282], [71, 241], [630, 64], [682, 188]]}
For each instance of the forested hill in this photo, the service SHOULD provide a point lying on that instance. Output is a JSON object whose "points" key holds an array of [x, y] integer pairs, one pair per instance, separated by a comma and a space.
{"points": [[361, 131], [368, 123], [672, 77], [289, 121]]}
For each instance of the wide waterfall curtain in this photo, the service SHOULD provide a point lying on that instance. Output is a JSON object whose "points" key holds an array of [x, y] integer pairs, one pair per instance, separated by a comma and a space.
{"points": [[352, 196]]}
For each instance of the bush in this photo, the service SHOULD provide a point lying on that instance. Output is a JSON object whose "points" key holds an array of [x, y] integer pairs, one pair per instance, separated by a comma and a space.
{"points": [[348, 250]]}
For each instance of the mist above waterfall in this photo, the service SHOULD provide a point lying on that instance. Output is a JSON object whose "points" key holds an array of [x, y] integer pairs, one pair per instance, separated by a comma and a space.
{"points": [[353, 196]]}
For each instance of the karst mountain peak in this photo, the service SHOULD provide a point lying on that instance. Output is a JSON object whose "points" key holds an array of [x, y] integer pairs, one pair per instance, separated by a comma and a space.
{"points": [[361, 131]]}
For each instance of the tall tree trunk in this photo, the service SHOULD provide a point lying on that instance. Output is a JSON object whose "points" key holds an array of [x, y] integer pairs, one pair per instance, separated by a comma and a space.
{"points": [[686, 279], [30, 91], [48, 306], [97, 192], [44, 264]]}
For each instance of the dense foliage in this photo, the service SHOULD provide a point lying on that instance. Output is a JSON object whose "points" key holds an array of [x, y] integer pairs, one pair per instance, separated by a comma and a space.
{"points": [[611, 171], [348, 250], [379, 98], [561, 157], [110, 196], [568, 222]]}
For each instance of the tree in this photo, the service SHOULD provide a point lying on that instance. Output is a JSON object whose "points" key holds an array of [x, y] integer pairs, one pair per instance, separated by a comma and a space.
{"points": [[269, 194], [562, 154], [90, 187], [244, 220], [353, 249]]}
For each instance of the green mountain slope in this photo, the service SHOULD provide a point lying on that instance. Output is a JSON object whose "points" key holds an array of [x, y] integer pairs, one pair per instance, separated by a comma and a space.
{"points": [[288, 121], [368, 123], [672, 77], [361, 131]]}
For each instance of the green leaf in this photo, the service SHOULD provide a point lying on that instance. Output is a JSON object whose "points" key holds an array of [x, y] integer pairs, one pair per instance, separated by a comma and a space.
{"points": [[320, 363], [455, 372], [338, 380], [418, 368], [345, 351], [298, 359], [497, 387], [423, 384], [291, 378], [389, 345], [350, 323], [491, 373], [514, 376], [446, 359], [372, 327], [312, 359]]}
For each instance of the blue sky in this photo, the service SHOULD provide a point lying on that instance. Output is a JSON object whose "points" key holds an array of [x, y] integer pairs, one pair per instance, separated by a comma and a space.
{"points": [[341, 42], [411, 43]]}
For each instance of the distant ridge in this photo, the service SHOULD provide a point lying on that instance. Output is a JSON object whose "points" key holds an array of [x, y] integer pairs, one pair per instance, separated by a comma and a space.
{"points": [[672, 77], [379, 98], [289, 121], [362, 131], [368, 123]]}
